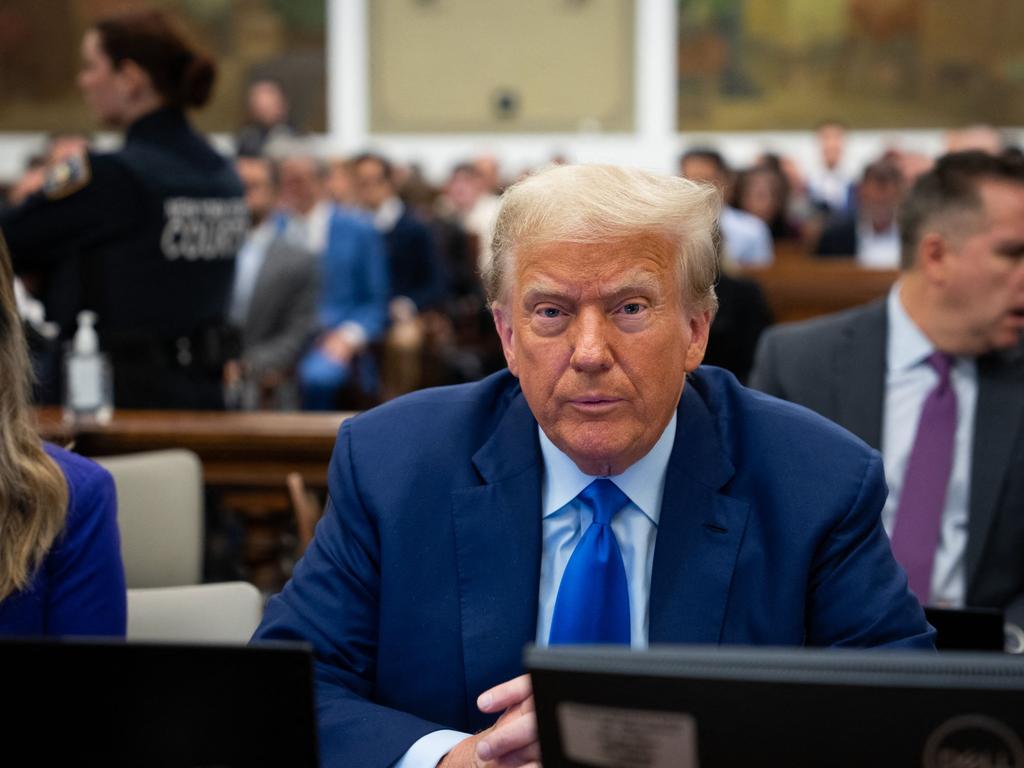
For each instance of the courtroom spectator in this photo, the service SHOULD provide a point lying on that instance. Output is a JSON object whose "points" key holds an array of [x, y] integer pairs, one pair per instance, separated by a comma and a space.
{"points": [[871, 235], [354, 292], [60, 555], [475, 206], [268, 120], [416, 273], [417, 278], [745, 238], [145, 236], [933, 375], [305, 208], [741, 318], [830, 184], [273, 302], [489, 168], [454, 531], [764, 192], [339, 186]]}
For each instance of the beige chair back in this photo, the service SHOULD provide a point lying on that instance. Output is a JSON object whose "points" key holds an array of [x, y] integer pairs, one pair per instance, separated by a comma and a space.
{"points": [[160, 516], [228, 612]]}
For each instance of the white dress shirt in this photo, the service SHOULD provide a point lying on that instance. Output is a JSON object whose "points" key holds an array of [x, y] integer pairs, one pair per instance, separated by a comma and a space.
{"points": [[564, 521], [250, 260], [909, 379], [878, 250], [747, 239]]}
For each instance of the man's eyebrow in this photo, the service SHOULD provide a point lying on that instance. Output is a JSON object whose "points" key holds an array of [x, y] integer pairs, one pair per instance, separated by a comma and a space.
{"points": [[1014, 248]]}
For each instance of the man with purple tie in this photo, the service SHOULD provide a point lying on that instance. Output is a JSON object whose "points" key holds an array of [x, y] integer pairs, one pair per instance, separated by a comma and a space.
{"points": [[604, 489], [933, 376]]}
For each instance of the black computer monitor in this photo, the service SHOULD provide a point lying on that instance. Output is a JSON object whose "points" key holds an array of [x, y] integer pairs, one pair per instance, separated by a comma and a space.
{"points": [[167, 705], [683, 707]]}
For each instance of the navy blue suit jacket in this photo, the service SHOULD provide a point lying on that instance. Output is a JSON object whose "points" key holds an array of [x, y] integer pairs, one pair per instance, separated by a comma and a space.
{"points": [[421, 586]]}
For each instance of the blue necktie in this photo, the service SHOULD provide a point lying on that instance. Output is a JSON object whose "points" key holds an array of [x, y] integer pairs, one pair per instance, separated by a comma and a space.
{"points": [[592, 605]]}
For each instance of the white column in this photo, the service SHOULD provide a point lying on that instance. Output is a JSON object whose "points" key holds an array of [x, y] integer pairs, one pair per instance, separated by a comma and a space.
{"points": [[348, 76], [656, 75]]}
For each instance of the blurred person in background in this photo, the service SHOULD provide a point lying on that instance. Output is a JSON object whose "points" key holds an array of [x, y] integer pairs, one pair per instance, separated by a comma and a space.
{"points": [[418, 282], [354, 290], [764, 192], [60, 554], [830, 185], [268, 119], [475, 206], [150, 231], [273, 302], [339, 186], [872, 234], [746, 239]]}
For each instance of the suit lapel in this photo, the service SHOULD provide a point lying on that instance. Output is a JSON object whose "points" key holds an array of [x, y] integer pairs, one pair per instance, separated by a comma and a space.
{"points": [[263, 291], [999, 419], [860, 374], [498, 550], [699, 533]]}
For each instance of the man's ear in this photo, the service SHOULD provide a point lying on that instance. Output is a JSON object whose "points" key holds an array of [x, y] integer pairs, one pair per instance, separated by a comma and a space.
{"points": [[700, 327], [930, 258], [503, 323]]}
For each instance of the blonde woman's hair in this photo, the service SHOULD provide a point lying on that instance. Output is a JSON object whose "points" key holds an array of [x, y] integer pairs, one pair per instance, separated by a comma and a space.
{"points": [[601, 203], [33, 492]]}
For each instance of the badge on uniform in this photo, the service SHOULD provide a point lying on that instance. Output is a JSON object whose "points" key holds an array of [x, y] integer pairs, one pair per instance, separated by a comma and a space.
{"points": [[67, 177]]}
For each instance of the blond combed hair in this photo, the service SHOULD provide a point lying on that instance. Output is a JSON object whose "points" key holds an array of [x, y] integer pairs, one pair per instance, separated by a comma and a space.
{"points": [[602, 203], [33, 492]]}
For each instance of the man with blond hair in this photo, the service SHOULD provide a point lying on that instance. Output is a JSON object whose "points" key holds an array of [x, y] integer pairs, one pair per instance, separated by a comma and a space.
{"points": [[603, 489]]}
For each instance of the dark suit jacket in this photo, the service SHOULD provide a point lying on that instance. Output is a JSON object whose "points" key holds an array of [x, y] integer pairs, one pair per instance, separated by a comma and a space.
{"points": [[282, 310], [838, 238], [836, 366], [416, 269], [421, 586]]}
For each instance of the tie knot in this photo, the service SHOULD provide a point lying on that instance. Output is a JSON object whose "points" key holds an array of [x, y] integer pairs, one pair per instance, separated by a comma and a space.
{"points": [[941, 363], [605, 499]]}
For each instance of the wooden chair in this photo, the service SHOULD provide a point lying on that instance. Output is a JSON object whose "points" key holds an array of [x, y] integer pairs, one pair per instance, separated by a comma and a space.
{"points": [[307, 510]]}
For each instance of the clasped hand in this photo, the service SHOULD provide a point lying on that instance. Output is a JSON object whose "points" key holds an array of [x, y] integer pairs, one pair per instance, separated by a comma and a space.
{"points": [[512, 741]]}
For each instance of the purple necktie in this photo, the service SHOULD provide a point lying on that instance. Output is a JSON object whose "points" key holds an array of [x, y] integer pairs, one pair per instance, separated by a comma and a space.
{"points": [[916, 534]]}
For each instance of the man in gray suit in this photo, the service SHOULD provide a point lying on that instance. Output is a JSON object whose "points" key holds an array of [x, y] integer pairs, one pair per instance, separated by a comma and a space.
{"points": [[944, 348], [273, 302]]}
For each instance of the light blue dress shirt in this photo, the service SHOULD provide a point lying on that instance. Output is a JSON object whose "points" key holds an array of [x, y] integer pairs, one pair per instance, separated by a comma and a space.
{"points": [[564, 520], [909, 379], [247, 269]]}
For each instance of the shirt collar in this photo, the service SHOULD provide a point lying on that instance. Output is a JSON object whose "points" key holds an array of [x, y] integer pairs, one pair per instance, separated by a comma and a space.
{"points": [[908, 346], [643, 482], [385, 217]]}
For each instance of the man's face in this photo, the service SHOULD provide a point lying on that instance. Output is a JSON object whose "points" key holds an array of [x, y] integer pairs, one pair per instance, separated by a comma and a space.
{"points": [[601, 342], [831, 139], [300, 184], [259, 189], [984, 273], [372, 186], [701, 169], [879, 199]]}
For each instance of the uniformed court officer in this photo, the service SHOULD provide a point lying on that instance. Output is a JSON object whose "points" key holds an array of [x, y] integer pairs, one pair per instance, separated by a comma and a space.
{"points": [[148, 234]]}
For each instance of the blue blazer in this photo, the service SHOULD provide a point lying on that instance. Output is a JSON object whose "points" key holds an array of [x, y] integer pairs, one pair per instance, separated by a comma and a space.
{"points": [[354, 275], [79, 589], [421, 586]]}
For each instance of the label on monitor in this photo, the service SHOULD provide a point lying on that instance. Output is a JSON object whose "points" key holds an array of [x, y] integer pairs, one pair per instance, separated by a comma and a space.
{"points": [[607, 737]]}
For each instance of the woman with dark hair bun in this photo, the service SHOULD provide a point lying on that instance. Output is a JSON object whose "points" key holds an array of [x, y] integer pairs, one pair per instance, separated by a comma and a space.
{"points": [[146, 236]]}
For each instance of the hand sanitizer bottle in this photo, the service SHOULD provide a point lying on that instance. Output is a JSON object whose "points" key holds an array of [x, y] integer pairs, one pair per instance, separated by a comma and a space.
{"points": [[88, 390]]}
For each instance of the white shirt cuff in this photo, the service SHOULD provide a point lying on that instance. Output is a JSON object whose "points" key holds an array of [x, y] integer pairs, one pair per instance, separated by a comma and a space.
{"points": [[428, 751]]}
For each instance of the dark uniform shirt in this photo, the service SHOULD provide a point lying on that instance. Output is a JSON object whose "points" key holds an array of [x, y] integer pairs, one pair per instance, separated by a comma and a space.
{"points": [[148, 235]]}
